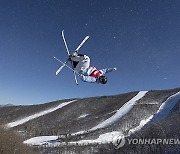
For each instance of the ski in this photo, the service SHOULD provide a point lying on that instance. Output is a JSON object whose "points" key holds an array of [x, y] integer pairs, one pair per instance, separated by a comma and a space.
{"points": [[80, 45], [60, 68], [65, 43], [64, 64], [68, 53]]}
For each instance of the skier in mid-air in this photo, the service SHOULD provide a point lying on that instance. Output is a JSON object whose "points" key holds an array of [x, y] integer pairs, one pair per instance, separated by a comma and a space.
{"points": [[81, 64]]}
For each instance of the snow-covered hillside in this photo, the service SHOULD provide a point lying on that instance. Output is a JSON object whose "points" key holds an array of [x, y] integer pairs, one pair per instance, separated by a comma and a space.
{"points": [[108, 137], [42, 113], [96, 121]]}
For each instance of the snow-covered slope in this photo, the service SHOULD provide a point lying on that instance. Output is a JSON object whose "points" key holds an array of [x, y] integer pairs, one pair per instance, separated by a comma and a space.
{"points": [[166, 107], [120, 112], [26, 119], [41, 140], [108, 137], [53, 140], [97, 120]]}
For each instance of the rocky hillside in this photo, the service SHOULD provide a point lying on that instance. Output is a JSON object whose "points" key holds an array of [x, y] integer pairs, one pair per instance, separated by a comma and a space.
{"points": [[90, 125]]}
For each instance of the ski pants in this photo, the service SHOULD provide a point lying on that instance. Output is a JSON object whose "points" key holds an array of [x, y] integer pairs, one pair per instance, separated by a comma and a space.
{"points": [[80, 62]]}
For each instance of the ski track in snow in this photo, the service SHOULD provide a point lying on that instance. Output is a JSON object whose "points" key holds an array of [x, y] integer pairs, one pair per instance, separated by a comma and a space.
{"points": [[141, 124], [26, 119], [121, 112], [41, 140], [166, 107], [162, 113]]}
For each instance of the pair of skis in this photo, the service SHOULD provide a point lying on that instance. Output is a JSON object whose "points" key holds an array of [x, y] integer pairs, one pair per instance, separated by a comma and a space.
{"points": [[65, 63]]}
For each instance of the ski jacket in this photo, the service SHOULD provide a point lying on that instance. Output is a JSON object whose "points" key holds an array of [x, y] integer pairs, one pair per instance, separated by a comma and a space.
{"points": [[94, 72]]}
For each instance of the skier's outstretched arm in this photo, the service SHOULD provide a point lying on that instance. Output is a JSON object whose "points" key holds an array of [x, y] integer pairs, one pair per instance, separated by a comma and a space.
{"points": [[107, 70]]}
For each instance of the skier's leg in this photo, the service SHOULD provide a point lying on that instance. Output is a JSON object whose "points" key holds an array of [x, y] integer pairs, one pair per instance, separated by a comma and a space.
{"points": [[76, 58], [86, 62], [79, 61], [83, 64]]}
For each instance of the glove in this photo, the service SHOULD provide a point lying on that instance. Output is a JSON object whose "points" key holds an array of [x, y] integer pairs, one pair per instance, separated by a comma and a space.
{"points": [[70, 56], [81, 75], [114, 68]]}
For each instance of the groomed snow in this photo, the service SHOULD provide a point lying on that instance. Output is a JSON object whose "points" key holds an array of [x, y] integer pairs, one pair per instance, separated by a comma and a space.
{"points": [[142, 123], [166, 107], [102, 139], [121, 112], [52, 140], [40, 140], [162, 113], [26, 119]]}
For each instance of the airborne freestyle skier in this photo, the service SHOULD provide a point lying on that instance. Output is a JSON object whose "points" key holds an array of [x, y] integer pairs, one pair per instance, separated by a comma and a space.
{"points": [[81, 64]]}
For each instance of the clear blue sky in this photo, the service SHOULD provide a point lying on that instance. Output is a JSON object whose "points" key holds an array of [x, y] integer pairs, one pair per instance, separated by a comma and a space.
{"points": [[139, 37]]}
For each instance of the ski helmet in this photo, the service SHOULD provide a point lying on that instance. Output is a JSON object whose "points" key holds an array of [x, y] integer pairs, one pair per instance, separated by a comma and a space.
{"points": [[102, 79]]}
